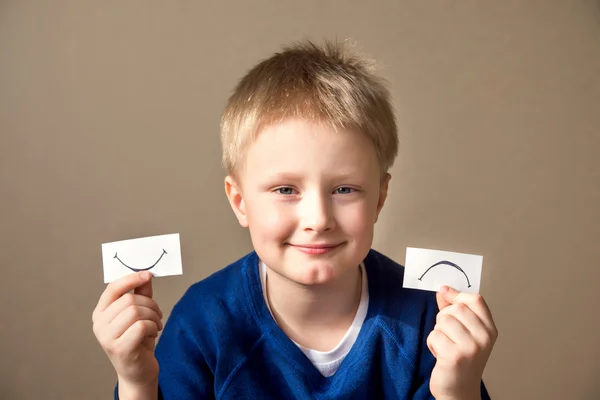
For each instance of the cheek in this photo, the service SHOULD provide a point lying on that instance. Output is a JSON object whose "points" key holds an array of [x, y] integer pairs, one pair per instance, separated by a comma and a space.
{"points": [[271, 221], [357, 220]]}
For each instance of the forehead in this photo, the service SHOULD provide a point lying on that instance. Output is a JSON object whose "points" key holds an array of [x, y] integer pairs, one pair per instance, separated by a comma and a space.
{"points": [[297, 145]]}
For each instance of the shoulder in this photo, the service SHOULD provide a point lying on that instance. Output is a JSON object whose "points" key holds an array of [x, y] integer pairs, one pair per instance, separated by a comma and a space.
{"points": [[212, 322], [219, 284], [224, 288], [217, 303], [406, 315], [398, 302]]}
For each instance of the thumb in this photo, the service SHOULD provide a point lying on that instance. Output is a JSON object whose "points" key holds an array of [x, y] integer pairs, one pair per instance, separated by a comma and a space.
{"points": [[445, 296], [149, 343], [145, 288]]}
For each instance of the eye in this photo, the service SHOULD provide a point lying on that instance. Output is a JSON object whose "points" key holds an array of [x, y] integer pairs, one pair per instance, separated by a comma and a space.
{"points": [[344, 190], [285, 190]]}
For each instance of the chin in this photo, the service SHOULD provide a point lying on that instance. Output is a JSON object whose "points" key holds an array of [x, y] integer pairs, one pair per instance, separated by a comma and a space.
{"points": [[319, 271]]}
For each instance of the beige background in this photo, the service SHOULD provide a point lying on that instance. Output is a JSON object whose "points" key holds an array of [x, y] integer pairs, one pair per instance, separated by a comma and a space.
{"points": [[109, 117]]}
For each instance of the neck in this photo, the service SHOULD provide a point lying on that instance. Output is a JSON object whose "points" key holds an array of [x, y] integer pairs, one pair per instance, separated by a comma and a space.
{"points": [[315, 316]]}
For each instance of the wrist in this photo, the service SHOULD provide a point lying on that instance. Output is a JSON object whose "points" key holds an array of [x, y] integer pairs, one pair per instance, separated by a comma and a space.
{"points": [[464, 396], [136, 391], [471, 397]]}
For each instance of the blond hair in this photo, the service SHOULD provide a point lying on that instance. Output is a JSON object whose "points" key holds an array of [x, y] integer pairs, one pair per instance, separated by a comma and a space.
{"points": [[329, 84]]}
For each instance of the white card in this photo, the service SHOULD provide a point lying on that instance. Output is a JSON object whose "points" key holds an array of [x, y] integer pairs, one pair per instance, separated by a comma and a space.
{"points": [[430, 269], [160, 255]]}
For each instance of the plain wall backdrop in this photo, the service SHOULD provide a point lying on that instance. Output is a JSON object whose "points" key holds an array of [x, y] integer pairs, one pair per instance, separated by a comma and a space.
{"points": [[109, 115]]}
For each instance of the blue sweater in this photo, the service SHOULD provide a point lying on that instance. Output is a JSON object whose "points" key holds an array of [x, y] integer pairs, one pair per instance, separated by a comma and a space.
{"points": [[221, 342]]}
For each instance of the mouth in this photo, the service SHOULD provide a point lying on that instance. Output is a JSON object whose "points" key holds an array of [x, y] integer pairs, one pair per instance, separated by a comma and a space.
{"points": [[316, 248]]}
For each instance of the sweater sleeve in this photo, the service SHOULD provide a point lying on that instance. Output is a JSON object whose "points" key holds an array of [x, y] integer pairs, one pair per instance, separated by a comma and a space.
{"points": [[484, 393], [160, 396], [184, 371], [426, 359]]}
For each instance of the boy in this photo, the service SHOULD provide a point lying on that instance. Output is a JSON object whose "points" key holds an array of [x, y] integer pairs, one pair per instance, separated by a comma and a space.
{"points": [[313, 313]]}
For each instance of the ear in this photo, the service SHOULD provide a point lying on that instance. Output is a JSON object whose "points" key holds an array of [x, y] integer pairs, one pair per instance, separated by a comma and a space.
{"points": [[234, 195], [383, 191]]}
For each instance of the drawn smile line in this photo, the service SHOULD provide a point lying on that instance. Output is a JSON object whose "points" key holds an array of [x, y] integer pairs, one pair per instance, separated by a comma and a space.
{"points": [[450, 264], [141, 269]]}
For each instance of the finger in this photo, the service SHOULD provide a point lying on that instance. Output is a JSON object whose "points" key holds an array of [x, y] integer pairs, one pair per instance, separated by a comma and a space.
{"points": [[127, 300], [142, 332], [440, 345], [145, 289], [150, 341], [476, 303], [446, 296], [441, 301], [455, 330], [116, 289], [129, 317], [431, 348], [463, 313], [469, 320]]}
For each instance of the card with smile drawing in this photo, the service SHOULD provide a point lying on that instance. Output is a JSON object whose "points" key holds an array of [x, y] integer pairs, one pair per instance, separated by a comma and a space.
{"points": [[160, 255]]}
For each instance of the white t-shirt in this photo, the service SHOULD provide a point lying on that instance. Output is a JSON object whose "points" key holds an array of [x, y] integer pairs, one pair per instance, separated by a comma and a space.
{"points": [[327, 362]]}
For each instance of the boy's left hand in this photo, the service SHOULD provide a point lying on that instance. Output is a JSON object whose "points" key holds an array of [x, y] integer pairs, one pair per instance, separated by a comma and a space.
{"points": [[461, 342]]}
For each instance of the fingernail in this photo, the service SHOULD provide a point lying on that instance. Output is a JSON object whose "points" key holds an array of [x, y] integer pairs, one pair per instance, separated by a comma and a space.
{"points": [[146, 275], [444, 289]]}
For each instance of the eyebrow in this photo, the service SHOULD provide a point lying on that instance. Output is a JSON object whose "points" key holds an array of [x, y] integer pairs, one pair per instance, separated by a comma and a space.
{"points": [[283, 176], [290, 176]]}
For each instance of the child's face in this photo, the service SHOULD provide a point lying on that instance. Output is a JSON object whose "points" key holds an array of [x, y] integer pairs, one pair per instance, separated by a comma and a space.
{"points": [[310, 197]]}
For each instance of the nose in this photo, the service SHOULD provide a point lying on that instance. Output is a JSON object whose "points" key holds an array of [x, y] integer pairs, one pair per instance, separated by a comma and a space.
{"points": [[316, 213]]}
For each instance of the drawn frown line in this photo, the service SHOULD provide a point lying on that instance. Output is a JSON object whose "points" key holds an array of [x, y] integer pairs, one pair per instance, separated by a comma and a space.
{"points": [[141, 269], [450, 264]]}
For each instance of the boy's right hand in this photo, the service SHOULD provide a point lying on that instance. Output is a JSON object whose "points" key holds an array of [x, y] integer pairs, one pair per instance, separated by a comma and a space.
{"points": [[126, 326]]}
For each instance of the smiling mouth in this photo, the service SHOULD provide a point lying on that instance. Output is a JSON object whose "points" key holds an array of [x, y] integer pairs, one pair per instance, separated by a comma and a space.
{"points": [[316, 248], [141, 269]]}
